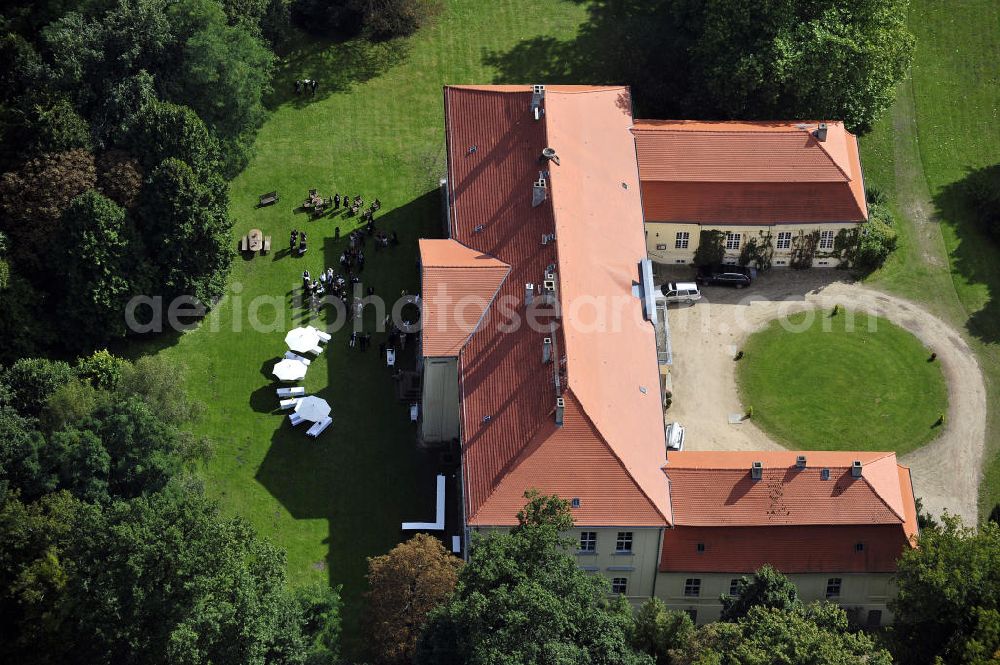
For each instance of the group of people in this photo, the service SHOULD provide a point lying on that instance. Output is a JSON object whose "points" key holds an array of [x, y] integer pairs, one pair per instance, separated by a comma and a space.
{"points": [[331, 283], [307, 85], [297, 242]]}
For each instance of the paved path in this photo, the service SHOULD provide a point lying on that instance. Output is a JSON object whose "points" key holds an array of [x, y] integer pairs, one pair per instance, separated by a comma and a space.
{"points": [[946, 472]]}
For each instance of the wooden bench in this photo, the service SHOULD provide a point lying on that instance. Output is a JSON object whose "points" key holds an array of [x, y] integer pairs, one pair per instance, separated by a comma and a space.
{"points": [[268, 199], [267, 245], [245, 244]]}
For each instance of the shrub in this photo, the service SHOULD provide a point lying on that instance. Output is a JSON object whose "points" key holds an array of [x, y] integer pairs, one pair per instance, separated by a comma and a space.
{"points": [[982, 188], [119, 177], [710, 248], [384, 19]]}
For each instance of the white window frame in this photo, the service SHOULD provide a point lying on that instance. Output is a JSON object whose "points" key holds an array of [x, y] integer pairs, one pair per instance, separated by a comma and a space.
{"points": [[588, 541], [692, 587], [734, 587], [619, 585], [826, 239], [733, 240], [783, 242], [623, 543], [682, 239], [834, 587]]}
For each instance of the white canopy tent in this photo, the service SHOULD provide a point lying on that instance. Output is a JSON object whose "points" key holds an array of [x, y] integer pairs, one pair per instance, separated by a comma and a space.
{"points": [[302, 340], [290, 370], [313, 408]]}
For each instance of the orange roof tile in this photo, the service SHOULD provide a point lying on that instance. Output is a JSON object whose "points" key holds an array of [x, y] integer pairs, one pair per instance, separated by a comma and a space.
{"points": [[457, 284], [748, 172], [510, 442], [789, 549], [715, 489]]}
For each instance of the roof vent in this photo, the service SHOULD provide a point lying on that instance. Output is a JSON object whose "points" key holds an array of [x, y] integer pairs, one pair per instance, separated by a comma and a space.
{"points": [[820, 133], [560, 410], [575, 502], [539, 192], [548, 237], [551, 268], [757, 470], [549, 285], [547, 350], [550, 155], [537, 95], [824, 474], [529, 294], [478, 228], [800, 462], [487, 419], [856, 468], [473, 148]]}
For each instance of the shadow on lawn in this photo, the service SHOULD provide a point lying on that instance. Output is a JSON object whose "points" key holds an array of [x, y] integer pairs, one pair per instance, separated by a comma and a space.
{"points": [[364, 475], [335, 65], [976, 257]]}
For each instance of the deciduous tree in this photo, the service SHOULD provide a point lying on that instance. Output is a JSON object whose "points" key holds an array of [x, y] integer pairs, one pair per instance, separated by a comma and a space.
{"points": [[659, 630], [766, 588]]}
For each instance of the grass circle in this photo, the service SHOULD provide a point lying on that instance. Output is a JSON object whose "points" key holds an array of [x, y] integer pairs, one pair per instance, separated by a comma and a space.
{"points": [[841, 380]]}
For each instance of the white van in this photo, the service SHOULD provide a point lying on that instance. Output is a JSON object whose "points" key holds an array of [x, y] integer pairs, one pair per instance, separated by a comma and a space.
{"points": [[680, 292], [675, 436]]}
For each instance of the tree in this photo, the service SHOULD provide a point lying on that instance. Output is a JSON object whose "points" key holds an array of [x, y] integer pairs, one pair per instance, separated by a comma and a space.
{"points": [[32, 200], [32, 381], [947, 600], [159, 383], [185, 223], [404, 586], [102, 370], [20, 460], [161, 131], [982, 188], [767, 588], [395, 18], [41, 123], [659, 630], [99, 248], [522, 598], [119, 177], [815, 635], [710, 250]]}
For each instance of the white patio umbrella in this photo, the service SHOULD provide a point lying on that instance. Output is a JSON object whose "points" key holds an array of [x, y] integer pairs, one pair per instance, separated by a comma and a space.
{"points": [[302, 340], [290, 370], [313, 408]]}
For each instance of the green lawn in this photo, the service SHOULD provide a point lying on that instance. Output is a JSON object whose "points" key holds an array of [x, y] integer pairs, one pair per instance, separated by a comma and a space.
{"points": [[820, 381], [944, 123], [374, 128]]}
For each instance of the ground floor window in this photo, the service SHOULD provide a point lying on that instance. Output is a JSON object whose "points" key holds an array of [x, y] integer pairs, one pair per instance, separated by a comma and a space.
{"points": [[734, 587], [619, 585], [692, 586], [826, 240], [681, 242], [833, 587], [784, 240], [733, 240], [874, 618]]}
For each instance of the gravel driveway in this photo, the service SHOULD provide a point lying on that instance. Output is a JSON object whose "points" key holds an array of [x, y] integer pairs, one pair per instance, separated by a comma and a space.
{"points": [[705, 335]]}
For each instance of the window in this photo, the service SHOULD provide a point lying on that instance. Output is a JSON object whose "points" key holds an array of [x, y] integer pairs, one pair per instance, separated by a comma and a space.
{"points": [[619, 585], [660, 247], [833, 587], [733, 240], [734, 587], [859, 547], [784, 240], [701, 547], [681, 242], [826, 240], [588, 541], [692, 586], [624, 542], [874, 618]]}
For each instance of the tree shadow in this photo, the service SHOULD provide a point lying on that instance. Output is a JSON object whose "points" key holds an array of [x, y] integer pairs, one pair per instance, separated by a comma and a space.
{"points": [[335, 64], [976, 257], [364, 475]]}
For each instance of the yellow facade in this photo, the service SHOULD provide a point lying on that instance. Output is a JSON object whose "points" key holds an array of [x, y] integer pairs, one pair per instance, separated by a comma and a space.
{"points": [[674, 243]]}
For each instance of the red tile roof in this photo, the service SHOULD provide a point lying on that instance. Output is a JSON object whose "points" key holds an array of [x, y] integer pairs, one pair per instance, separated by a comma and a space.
{"points": [[457, 285], [790, 518], [789, 549], [748, 172], [610, 448]]}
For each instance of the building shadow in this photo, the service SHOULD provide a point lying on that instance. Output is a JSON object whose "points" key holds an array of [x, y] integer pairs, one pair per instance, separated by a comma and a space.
{"points": [[976, 256], [364, 475]]}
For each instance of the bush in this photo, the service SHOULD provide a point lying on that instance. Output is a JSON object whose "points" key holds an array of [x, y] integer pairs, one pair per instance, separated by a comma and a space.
{"points": [[876, 240], [982, 187], [710, 249], [384, 19]]}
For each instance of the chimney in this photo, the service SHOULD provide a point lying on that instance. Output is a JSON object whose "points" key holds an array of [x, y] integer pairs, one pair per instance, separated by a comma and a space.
{"points": [[537, 95], [856, 469], [538, 193], [529, 293], [547, 350], [560, 409], [549, 154], [800, 462], [757, 470], [821, 132]]}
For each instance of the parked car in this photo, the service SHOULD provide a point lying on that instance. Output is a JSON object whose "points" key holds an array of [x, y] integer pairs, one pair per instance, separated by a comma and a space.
{"points": [[675, 437], [737, 276], [680, 292]]}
